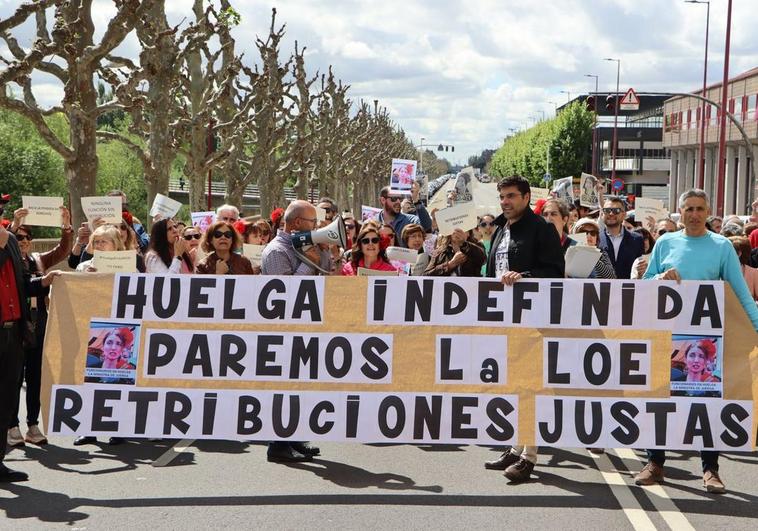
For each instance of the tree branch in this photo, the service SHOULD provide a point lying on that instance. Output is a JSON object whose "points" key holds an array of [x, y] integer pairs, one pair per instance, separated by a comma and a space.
{"points": [[35, 116], [133, 146], [23, 12]]}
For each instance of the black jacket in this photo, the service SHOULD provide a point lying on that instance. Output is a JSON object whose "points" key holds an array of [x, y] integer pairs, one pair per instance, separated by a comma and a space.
{"points": [[26, 286], [472, 267], [535, 249], [632, 247]]}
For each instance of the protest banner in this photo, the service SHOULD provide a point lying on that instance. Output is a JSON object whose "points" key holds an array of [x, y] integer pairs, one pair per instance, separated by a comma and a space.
{"points": [[646, 207], [401, 254], [202, 220], [564, 189], [588, 196], [461, 216], [43, 211], [410, 360], [368, 213], [165, 207], [115, 261], [402, 175], [105, 207]]}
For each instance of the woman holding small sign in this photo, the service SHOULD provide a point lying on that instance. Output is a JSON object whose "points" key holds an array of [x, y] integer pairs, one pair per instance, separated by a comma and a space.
{"points": [[457, 255], [167, 251]]}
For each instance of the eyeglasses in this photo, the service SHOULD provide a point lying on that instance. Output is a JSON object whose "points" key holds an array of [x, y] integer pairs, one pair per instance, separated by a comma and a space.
{"points": [[366, 241], [548, 213], [393, 198], [613, 210], [226, 234], [511, 196], [484, 224], [189, 237], [22, 237], [661, 232], [228, 219], [309, 220]]}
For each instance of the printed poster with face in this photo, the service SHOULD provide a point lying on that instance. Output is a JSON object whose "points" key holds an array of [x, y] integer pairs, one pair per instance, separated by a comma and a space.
{"points": [[588, 196], [563, 189], [402, 175], [112, 352], [697, 366]]}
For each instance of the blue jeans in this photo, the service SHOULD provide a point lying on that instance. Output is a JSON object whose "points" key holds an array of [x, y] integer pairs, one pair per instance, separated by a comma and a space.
{"points": [[709, 458]]}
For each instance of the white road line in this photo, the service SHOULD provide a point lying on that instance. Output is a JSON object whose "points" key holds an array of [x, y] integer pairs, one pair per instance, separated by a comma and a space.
{"points": [[623, 494], [173, 452], [661, 500]]}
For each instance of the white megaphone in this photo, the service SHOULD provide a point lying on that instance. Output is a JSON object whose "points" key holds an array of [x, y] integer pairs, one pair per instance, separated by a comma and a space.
{"points": [[332, 234]]}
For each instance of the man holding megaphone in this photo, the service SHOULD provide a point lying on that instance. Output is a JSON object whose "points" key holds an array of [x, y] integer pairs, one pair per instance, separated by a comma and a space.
{"points": [[295, 251]]}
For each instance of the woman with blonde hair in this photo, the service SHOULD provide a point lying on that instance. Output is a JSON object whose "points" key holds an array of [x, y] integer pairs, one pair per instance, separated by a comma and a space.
{"points": [[104, 238]]}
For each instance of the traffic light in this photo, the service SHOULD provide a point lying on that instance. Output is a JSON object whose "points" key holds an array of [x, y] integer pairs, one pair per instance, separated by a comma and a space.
{"points": [[610, 102], [590, 102]]}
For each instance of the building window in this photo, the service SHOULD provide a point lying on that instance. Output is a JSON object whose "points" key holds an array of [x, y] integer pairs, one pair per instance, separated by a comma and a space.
{"points": [[751, 106]]}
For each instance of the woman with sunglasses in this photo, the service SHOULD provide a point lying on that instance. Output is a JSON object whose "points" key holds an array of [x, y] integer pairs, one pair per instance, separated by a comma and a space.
{"points": [[590, 227], [36, 265], [167, 252], [485, 230], [413, 237], [367, 252], [219, 242]]}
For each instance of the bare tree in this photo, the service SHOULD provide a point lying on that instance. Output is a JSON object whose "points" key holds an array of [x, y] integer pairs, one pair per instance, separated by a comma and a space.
{"points": [[70, 54]]}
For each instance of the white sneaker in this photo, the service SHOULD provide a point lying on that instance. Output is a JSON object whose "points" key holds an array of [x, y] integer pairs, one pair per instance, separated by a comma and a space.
{"points": [[35, 436], [14, 437]]}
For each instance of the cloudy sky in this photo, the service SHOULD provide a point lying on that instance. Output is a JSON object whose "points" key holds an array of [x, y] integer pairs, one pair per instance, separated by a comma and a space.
{"points": [[465, 72]]}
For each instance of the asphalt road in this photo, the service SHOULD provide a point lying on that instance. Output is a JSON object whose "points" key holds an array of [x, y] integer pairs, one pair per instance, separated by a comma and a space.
{"points": [[223, 484]]}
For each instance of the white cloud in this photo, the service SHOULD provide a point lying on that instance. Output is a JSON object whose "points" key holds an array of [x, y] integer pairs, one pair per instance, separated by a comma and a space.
{"points": [[464, 73]]}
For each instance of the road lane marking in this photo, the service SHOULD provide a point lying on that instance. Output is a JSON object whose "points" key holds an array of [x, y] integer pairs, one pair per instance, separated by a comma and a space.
{"points": [[623, 494], [173, 452], [658, 496]]}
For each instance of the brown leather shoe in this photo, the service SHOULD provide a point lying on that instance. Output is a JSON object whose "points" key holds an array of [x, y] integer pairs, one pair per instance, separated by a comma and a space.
{"points": [[501, 463], [651, 474], [520, 471], [712, 482]]}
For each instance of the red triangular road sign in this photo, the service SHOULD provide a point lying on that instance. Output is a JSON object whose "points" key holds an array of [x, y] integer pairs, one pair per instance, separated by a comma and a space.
{"points": [[630, 100]]}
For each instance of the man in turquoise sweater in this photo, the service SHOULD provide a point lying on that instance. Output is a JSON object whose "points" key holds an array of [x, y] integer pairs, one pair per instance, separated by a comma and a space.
{"points": [[695, 254]]}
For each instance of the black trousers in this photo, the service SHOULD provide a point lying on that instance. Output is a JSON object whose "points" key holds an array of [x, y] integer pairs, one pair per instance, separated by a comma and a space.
{"points": [[11, 361], [32, 373]]}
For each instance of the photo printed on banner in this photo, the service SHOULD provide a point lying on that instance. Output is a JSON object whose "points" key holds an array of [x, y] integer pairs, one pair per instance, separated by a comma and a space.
{"points": [[696, 366], [112, 352]]}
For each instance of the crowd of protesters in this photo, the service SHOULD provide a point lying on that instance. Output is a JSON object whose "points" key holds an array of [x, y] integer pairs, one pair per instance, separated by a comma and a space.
{"points": [[524, 240]]}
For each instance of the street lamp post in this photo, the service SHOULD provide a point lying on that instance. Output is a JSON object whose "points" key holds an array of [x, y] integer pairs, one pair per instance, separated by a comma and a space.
{"points": [[421, 159], [722, 121], [594, 126], [615, 115], [555, 105], [568, 95], [701, 154]]}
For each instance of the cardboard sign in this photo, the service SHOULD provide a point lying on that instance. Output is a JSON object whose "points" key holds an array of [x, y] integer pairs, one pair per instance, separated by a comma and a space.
{"points": [[645, 206], [366, 272], [401, 254], [564, 189], [402, 175], [43, 211], [320, 214], [103, 207], [537, 194], [115, 261], [253, 252], [581, 260], [165, 206], [580, 238], [461, 216]]}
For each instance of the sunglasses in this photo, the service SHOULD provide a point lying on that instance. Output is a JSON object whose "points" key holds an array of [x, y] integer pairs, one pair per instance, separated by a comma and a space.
{"points": [[590, 232], [349, 226], [226, 234], [22, 237], [189, 237], [366, 241], [661, 232], [394, 199], [484, 224], [612, 210]]}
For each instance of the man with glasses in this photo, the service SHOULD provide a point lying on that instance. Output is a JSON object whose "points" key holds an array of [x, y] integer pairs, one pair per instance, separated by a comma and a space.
{"points": [[279, 258], [523, 246], [623, 246], [391, 214]]}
